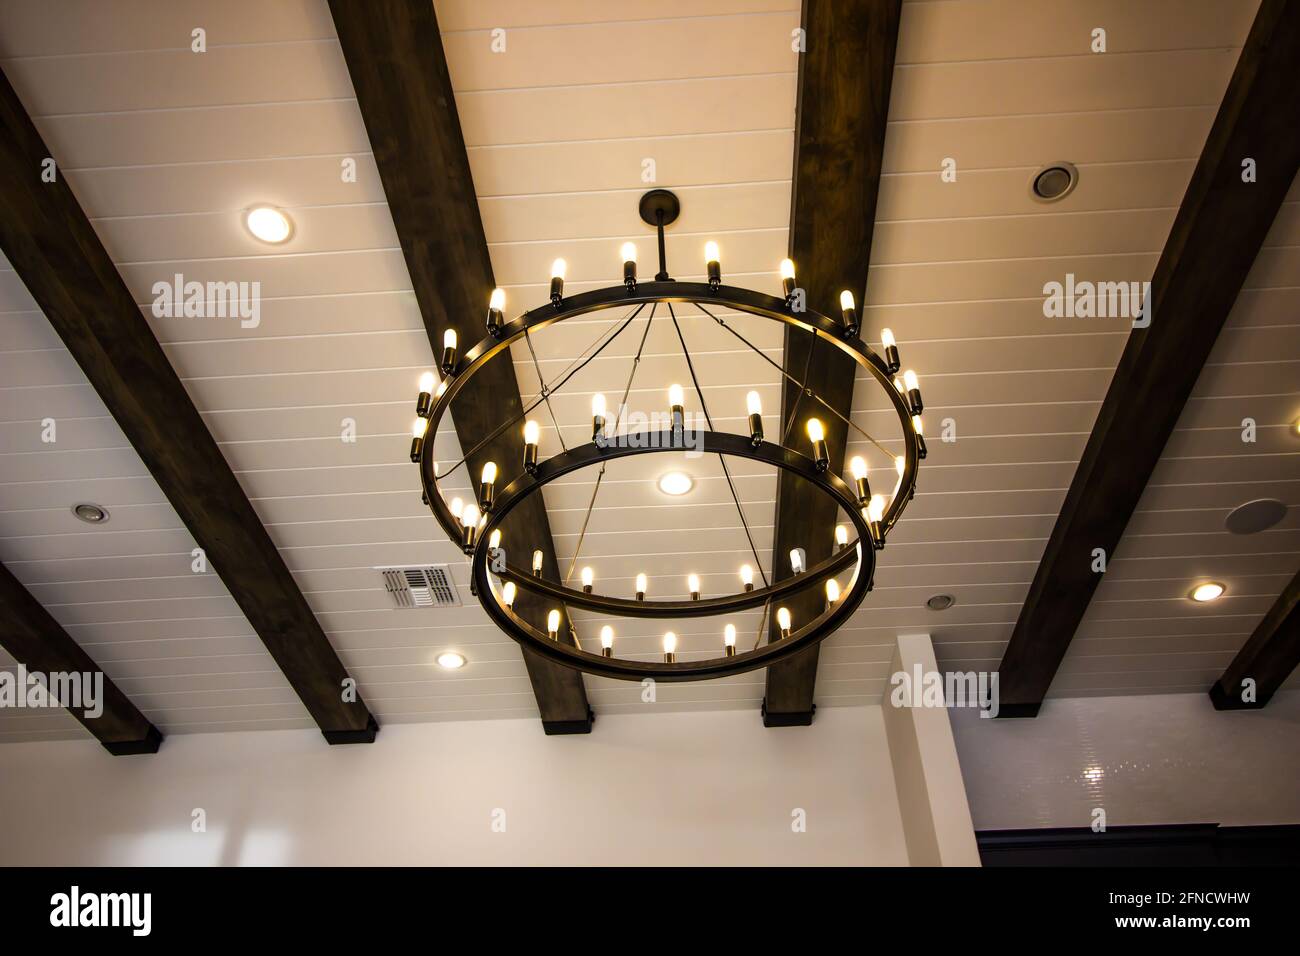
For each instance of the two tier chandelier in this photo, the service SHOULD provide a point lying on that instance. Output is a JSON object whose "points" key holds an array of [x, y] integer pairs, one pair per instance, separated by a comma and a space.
{"points": [[475, 527]]}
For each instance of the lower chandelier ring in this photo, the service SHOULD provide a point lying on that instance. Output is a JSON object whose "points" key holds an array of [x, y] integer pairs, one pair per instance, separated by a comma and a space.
{"points": [[488, 588]]}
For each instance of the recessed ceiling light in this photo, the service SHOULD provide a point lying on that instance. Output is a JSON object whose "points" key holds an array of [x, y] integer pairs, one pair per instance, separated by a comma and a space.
{"points": [[940, 602], [450, 660], [1255, 516], [676, 483], [90, 513], [268, 224], [1053, 182], [1209, 591]]}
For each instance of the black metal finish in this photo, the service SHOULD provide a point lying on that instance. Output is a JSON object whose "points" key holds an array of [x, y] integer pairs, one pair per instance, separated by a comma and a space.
{"points": [[659, 207]]}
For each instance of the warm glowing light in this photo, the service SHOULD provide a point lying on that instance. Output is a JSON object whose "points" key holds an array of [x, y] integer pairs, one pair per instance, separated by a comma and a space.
{"points": [[711, 251], [449, 339], [457, 506], [832, 591], [796, 560], [532, 432], [588, 576], [557, 269], [1209, 591], [670, 643], [442, 387], [640, 584], [426, 382], [628, 252], [841, 535], [419, 427], [729, 635], [693, 583], [787, 269], [899, 464], [676, 397], [917, 425], [489, 473], [469, 517], [537, 562], [451, 660], [783, 618], [858, 467], [876, 508], [497, 300], [598, 405], [553, 622], [846, 300], [606, 637], [815, 430], [676, 483], [754, 403], [494, 539], [508, 594], [268, 224], [887, 338], [909, 380], [746, 575], [898, 385]]}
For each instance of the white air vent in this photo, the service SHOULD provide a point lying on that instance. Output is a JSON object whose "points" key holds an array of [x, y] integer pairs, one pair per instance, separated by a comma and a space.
{"points": [[422, 586]]}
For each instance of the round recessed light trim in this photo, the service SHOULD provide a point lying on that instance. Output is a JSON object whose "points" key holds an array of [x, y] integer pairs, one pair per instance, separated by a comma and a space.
{"points": [[940, 602], [268, 224], [1255, 516], [676, 483], [450, 660], [1054, 182], [1207, 591], [90, 513]]}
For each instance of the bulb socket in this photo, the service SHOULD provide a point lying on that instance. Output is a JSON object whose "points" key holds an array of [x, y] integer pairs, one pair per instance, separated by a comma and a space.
{"points": [[469, 537], [749, 586], [678, 419], [821, 455], [729, 650], [597, 428], [670, 657], [892, 361], [530, 459], [496, 322], [417, 446], [557, 291], [920, 448], [756, 430], [423, 402], [785, 632], [629, 275], [607, 651], [914, 401], [640, 595], [448, 363], [695, 595], [877, 535], [850, 319], [486, 496], [586, 588], [863, 489], [715, 274], [424, 498], [787, 286]]}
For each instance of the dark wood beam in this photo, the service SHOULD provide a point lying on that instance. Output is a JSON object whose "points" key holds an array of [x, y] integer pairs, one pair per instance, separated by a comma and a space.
{"points": [[60, 259], [399, 71], [1267, 659], [40, 643], [845, 75], [1214, 240]]}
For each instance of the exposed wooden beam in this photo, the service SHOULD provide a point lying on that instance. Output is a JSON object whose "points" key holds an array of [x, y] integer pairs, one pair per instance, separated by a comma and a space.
{"points": [[399, 71], [40, 643], [845, 75], [57, 254], [1267, 659], [1220, 226]]}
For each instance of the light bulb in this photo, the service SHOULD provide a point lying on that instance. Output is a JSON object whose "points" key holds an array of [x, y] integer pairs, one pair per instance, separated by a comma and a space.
{"points": [[876, 509], [598, 405], [497, 300], [729, 635], [457, 506], [832, 590], [898, 385], [670, 642], [846, 300], [606, 637], [640, 586], [442, 387], [842, 535], [553, 624], [494, 539], [537, 562], [676, 397], [693, 584], [917, 425], [419, 427], [909, 380], [815, 430], [628, 252], [508, 594], [796, 560], [783, 619], [887, 339], [858, 467], [746, 575], [754, 403], [449, 339], [711, 251], [588, 576], [426, 382], [532, 432], [489, 473], [787, 269], [557, 269], [469, 517]]}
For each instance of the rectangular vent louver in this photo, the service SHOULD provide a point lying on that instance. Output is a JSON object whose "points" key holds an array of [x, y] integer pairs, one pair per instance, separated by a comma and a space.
{"points": [[422, 586]]}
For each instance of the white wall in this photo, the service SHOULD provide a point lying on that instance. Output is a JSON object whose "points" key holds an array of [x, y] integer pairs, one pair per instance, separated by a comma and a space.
{"points": [[1170, 758], [676, 788]]}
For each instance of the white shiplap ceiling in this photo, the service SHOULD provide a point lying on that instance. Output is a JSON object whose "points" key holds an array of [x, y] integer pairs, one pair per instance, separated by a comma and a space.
{"points": [[164, 147]]}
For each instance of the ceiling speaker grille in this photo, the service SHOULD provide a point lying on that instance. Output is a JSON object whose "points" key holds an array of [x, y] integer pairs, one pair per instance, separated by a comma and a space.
{"points": [[423, 586]]}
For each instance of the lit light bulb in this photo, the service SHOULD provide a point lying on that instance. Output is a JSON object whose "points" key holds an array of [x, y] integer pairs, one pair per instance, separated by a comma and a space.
{"points": [[628, 252], [449, 339], [858, 467], [747, 577], [711, 264], [640, 587], [426, 383], [497, 300], [457, 506], [876, 510], [598, 405], [419, 427], [494, 539], [887, 339], [693, 585], [557, 282], [729, 639], [711, 252], [448, 361], [487, 486], [909, 380], [846, 300], [917, 425], [607, 640], [532, 432], [787, 268], [796, 560], [832, 590], [508, 594], [588, 577], [557, 269], [755, 406], [816, 432], [783, 621], [754, 403], [676, 397], [553, 624], [469, 517], [442, 387], [817, 435], [892, 361], [489, 473], [670, 643], [537, 562], [841, 536]]}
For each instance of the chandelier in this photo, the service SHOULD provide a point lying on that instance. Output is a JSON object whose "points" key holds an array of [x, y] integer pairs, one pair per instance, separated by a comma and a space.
{"points": [[475, 527]]}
